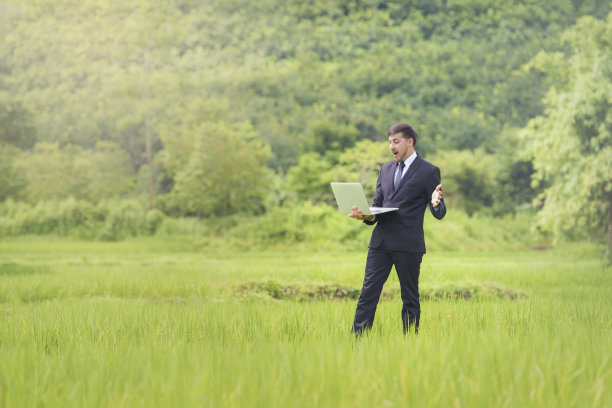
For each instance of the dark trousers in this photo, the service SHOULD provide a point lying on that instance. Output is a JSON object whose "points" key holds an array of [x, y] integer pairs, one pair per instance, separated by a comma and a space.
{"points": [[378, 267]]}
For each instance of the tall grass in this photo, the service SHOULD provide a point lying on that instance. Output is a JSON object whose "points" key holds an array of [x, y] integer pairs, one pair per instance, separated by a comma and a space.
{"points": [[153, 323], [104, 352]]}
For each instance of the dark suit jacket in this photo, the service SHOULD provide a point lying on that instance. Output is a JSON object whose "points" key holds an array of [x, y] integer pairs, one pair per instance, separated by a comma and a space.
{"points": [[402, 230]]}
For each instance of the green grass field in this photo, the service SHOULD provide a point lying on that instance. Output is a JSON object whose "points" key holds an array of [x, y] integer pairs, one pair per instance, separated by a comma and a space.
{"points": [[153, 322]]}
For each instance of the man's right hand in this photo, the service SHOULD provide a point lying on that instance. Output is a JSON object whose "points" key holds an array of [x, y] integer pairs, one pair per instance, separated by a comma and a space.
{"points": [[358, 215]]}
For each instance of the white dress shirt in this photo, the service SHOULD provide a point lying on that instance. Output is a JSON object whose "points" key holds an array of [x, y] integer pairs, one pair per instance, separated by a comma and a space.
{"points": [[407, 164]]}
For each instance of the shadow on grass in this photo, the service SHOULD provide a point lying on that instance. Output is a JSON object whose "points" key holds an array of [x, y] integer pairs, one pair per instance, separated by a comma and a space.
{"points": [[13, 269]]}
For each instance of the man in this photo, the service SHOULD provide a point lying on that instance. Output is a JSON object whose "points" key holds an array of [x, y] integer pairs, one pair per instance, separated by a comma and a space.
{"points": [[411, 184]]}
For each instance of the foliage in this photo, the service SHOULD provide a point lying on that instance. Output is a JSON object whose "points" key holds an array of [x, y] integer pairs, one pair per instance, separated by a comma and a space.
{"points": [[125, 219], [479, 181], [572, 143], [310, 178], [106, 220], [54, 172], [362, 164], [468, 179], [318, 227], [17, 127], [293, 225], [298, 77], [328, 136], [51, 217], [287, 226], [453, 67], [104, 172], [48, 170], [217, 168], [12, 182]]}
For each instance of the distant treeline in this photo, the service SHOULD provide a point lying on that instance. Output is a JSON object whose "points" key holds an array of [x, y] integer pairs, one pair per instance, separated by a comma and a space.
{"points": [[234, 107]]}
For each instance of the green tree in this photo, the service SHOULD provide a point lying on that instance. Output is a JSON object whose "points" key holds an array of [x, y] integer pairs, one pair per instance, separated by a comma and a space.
{"points": [[361, 163], [12, 181], [332, 136], [572, 144], [49, 170], [16, 124], [104, 172], [218, 168], [54, 172], [79, 72], [310, 178], [468, 179]]}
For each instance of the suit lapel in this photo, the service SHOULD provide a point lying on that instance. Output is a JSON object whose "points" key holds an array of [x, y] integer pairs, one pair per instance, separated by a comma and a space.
{"points": [[388, 178], [411, 170]]}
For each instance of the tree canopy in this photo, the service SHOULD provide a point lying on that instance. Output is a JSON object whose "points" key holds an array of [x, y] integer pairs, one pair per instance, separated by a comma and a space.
{"points": [[571, 142], [280, 96]]}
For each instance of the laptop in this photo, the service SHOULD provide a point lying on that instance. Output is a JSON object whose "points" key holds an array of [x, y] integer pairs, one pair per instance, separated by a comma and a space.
{"points": [[351, 194]]}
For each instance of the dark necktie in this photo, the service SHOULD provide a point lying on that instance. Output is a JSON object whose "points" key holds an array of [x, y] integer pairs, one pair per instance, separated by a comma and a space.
{"points": [[398, 174]]}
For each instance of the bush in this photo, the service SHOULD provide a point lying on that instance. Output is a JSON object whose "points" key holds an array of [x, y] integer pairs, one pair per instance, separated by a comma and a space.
{"points": [[125, 219], [313, 226], [110, 220], [153, 219], [59, 217], [322, 227], [305, 225]]}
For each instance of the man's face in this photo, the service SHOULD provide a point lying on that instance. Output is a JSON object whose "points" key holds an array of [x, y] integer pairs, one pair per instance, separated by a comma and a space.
{"points": [[400, 147]]}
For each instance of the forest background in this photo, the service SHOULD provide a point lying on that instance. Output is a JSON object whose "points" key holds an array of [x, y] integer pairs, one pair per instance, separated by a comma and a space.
{"points": [[228, 119]]}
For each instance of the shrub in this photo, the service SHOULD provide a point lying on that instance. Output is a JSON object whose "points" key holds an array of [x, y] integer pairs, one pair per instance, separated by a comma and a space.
{"points": [[304, 225], [125, 219]]}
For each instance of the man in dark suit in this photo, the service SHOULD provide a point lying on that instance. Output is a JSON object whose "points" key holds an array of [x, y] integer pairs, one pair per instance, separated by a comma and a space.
{"points": [[410, 184]]}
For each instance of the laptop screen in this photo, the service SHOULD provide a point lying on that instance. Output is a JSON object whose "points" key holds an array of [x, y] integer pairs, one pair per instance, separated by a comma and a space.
{"points": [[349, 195]]}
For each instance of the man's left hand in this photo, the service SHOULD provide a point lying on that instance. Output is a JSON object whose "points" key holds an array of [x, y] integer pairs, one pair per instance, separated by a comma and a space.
{"points": [[436, 196], [358, 215]]}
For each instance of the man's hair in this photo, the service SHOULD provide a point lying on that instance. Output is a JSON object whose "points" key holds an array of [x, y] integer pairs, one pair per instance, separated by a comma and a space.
{"points": [[406, 130]]}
